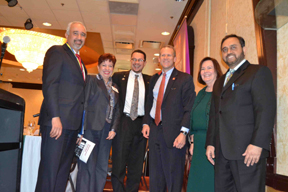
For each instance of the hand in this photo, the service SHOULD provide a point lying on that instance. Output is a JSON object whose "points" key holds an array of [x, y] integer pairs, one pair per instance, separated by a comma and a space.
{"points": [[180, 141], [111, 135], [146, 131], [79, 139], [56, 130], [210, 153], [252, 155], [191, 148]]}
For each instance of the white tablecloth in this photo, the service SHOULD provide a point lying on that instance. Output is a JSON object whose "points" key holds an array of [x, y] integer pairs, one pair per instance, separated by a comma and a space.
{"points": [[30, 163]]}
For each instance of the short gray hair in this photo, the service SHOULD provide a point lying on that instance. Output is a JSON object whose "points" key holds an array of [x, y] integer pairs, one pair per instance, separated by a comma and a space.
{"points": [[74, 22], [169, 46]]}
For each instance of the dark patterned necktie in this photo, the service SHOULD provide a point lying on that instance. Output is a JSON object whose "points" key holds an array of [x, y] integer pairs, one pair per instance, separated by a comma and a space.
{"points": [[135, 98]]}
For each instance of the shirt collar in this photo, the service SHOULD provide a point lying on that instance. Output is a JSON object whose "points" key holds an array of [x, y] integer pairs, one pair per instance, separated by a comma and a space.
{"points": [[73, 49], [168, 73], [133, 73], [239, 65]]}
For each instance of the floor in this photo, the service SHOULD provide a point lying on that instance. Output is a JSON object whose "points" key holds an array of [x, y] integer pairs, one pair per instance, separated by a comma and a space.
{"points": [[142, 187]]}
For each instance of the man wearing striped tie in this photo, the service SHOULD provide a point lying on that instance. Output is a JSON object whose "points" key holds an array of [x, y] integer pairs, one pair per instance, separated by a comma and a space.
{"points": [[62, 108], [242, 113]]}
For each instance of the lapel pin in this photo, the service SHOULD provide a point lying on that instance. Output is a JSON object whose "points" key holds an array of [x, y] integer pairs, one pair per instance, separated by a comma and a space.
{"points": [[173, 78]]}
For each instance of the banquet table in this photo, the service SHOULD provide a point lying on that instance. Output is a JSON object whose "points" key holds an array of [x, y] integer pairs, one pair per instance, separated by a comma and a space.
{"points": [[30, 164]]}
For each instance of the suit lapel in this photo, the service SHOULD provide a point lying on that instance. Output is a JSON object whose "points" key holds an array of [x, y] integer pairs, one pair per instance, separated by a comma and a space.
{"points": [[124, 82], [103, 87], [171, 81], [238, 73], [75, 61]]}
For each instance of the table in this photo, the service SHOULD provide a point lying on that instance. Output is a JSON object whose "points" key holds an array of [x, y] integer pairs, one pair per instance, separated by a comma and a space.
{"points": [[30, 164]]}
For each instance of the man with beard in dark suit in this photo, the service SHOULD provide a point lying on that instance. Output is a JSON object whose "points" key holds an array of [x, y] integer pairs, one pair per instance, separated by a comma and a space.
{"points": [[128, 146], [62, 109], [242, 113]]}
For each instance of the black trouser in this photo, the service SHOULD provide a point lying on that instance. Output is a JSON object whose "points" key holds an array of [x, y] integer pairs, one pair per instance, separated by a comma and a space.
{"points": [[56, 159], [128, 148], [235, 176]]}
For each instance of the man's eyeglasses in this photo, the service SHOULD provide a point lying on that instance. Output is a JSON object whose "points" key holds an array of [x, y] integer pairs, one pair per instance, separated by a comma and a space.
{"points": [[139, 60]]}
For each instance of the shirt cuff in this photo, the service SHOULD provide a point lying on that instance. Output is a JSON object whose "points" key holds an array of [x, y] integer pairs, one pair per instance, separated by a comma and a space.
{"points": [[185, 129]]}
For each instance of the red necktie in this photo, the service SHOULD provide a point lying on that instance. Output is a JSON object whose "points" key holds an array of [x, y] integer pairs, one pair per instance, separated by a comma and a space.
{"points": [[159, 100], [81, 66]]}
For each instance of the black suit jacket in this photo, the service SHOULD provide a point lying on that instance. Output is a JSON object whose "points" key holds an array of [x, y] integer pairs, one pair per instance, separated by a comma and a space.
{"points": [[121, 80], [96, 102], [176, 106], [244, 115], [63, 88]]}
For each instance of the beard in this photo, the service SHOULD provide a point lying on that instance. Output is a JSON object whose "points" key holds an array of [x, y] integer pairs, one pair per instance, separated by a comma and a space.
{"points": [[78, 46], [237, 60]]}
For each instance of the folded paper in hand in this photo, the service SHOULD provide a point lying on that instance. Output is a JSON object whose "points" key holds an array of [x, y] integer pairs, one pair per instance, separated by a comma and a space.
{"points": [[84, 150]]}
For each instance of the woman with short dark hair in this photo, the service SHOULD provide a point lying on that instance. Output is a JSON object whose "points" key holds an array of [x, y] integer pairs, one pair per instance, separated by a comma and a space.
{"points": [[100, 124]]}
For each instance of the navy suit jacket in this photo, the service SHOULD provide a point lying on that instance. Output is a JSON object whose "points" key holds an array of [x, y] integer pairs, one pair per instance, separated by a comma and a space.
{"points": [[242, 112], [63, 88], [121, 80], [176, 105]]}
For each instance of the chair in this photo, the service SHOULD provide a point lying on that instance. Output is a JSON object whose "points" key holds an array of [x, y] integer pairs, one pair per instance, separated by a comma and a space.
{"points": [[144, 170]]}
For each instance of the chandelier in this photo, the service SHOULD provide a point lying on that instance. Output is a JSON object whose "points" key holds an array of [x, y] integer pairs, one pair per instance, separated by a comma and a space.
{"points": [[29, 47]]}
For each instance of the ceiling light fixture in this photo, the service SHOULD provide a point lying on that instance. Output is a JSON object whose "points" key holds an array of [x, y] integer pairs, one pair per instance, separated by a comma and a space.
{"points": [[28, 24], [22, 69], [179, 0], [156, 54], [12, 3], [29, 47], [47, 24], [165, 33]]}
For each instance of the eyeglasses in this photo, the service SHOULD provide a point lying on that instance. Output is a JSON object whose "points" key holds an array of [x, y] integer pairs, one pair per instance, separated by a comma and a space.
{"points": [[139, 60]]}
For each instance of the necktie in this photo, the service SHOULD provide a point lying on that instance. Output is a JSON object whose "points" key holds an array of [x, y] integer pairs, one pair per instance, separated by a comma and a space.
{"points": [[231, 71], [81, 66], [135, 98], [159, 100]]}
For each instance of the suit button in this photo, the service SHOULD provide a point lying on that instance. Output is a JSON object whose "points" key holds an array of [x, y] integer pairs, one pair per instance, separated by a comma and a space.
{"points": [[220, 112], [221, 97], [82, 103]]}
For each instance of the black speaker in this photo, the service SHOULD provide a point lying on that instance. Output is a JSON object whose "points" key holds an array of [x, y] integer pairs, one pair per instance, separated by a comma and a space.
{"points": [[12, 109]]}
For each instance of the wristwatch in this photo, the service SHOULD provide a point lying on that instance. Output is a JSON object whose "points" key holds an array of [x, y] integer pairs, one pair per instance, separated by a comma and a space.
{"points": [[184, 132]]}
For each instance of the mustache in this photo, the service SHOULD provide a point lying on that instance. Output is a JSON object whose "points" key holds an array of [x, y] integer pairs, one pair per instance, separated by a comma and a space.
{"points": [[78, 40]]}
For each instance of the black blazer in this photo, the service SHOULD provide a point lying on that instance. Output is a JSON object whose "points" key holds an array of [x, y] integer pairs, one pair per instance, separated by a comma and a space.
{"points": [[176, 106], [63, 88], [96, 101], [244, 115], [121, 80]]}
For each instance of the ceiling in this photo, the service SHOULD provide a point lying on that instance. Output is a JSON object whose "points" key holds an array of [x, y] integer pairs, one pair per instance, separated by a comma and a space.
{"points": [[123, 26]]}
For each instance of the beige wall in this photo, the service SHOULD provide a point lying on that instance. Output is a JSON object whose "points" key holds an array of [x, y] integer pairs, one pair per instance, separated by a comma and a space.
{"points": [[33, 100], [209, 32], [282, 100]]}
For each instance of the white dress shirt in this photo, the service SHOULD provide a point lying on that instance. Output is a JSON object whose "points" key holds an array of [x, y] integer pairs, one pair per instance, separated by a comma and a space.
{"points": [[129, 93]]}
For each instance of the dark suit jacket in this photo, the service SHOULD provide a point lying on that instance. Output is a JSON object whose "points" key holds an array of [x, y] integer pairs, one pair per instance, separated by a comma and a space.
{"points": [[121, 80], [176, 106], [244, 115], [63, 88], [96, 101]]}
